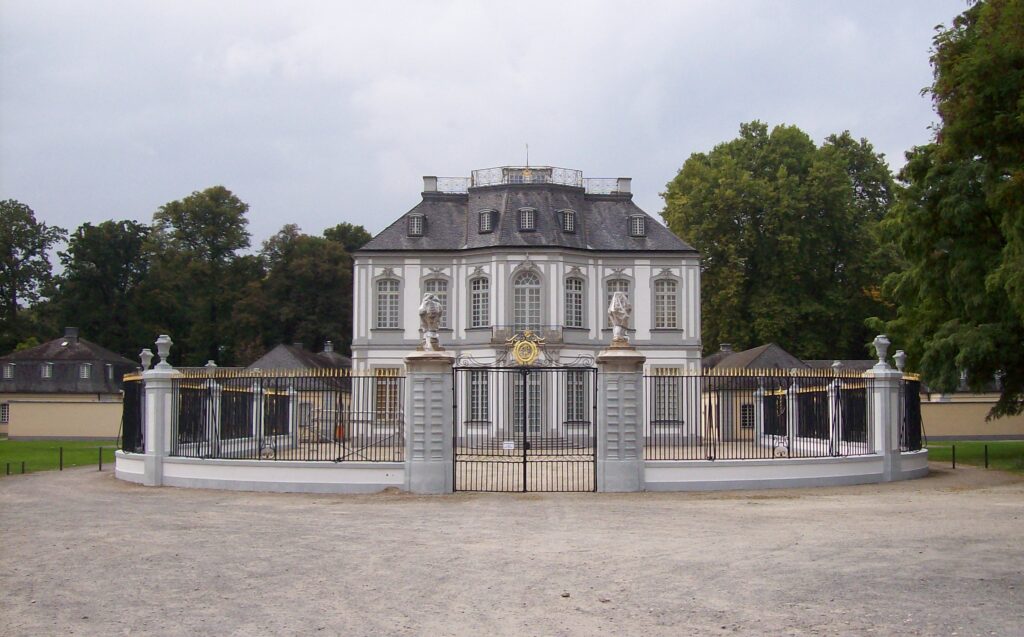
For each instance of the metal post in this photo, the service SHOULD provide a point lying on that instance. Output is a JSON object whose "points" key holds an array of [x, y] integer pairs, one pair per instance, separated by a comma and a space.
{"points": [[526, 397], [100, 449], [954, 456], [986, 456], [61, 458], [22, 467]]}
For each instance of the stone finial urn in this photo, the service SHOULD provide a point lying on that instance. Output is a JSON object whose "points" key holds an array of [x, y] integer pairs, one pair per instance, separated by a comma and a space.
{"points": [[901, 359], [881, 344], [146, 356], [163, 349]]}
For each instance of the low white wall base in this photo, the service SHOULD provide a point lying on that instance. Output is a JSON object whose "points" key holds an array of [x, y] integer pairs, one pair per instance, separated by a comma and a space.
{"points": [[778, 473], [268, 475]]}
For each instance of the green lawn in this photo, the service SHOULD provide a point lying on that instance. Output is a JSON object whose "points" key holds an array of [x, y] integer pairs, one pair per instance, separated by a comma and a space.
{"points": [[44, 455], [1007, 455]]}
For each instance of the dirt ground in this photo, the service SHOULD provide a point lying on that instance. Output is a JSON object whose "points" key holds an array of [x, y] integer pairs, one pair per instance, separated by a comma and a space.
{"points": [[85, 554]]}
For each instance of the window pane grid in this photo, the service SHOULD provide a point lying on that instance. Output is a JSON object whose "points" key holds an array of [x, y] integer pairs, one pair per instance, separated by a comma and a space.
{"points": [[480, 303], [574, 302], [665, 313], [613, 286], [387, 303], [526, 301]]}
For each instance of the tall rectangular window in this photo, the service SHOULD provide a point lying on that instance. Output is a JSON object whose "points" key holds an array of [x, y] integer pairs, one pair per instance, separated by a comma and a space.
{"points": [[386, 398], [387, 303], [85, 371], [5, 413], [532, 395], [439, 287], [568, 221], [576, 396], [574, 302], [8, 371], [415, 225], [47, 370], [480, 302], [747, 416], [479, 391], [667, 390], [486, 220], [637, 226], [526, 311], [665, 300]]}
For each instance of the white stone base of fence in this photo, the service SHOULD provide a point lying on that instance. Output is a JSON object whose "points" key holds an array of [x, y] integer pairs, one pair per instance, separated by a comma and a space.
{"points": [[777, 473], [262, 475]]}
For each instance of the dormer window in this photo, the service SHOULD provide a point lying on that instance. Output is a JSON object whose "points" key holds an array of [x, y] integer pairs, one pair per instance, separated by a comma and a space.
{"points": [[527, 219], [110, 370], [416, 223], [85, 371], [46, 371], [568, 221], [637, 226], [8, 371], [487, 221]]}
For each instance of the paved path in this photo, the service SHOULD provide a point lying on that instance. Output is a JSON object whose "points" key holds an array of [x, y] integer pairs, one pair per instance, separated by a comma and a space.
{"points": [[85, 554]]}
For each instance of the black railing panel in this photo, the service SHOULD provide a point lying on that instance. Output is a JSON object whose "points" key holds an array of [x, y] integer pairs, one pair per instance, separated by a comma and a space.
{"points": [[132, 406]]}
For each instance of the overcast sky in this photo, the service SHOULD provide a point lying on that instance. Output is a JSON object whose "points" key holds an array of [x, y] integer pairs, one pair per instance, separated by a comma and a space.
{"points": [[320, 112]]}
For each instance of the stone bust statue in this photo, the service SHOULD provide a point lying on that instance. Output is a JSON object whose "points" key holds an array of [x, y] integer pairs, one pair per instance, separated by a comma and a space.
{"points": [[430, 320], [619, 312]]}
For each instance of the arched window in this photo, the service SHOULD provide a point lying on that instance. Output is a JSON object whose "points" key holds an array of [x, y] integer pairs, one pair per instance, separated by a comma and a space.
{"points": [[479, 302], [439, 287], [387, 303], [574, 302], [665, 303], [526, 301]]}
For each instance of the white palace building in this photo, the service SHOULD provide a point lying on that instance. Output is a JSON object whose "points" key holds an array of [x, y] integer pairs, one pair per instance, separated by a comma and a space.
{"points": [[512, 249]]}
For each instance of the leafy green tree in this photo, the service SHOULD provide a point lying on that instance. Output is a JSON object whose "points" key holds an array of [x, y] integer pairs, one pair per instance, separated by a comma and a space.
{"points": [[350, 236], [25, 267], [99, 290], [959, 221], [197, 274], [788, 236], [305, 297]]}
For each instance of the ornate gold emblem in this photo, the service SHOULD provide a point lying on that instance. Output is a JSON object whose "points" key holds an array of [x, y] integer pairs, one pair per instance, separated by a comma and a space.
{"points": [[525, 347]]}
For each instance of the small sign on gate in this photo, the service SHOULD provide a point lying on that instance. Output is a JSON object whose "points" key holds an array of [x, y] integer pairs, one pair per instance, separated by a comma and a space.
{"points": [[508, 445]]}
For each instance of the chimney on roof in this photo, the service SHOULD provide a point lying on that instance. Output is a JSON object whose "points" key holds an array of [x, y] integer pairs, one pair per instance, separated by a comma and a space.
{"points": [[328, 347], [725, 347], [624, 185], [429, 184], [71, 334]]}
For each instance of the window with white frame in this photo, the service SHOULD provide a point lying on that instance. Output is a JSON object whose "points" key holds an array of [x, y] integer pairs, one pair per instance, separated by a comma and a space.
{"points": [[667, 391], [637, 226], [527, 219], [666, 304], [46, 371], [386, 397], [574, 302], [110, 372], [611, 287], [387, 303], [439, 288], [486, 220], [415, 225], [576, 396], [85, 371], [568, 221], [747, 416], [479, 390], [479, 302], [526, 301], [8, 371], [5, 413]]}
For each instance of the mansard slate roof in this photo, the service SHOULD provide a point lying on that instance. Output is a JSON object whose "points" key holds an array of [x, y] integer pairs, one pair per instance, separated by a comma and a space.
{"points": [[297, 357], [66, 354], [452, 222]]}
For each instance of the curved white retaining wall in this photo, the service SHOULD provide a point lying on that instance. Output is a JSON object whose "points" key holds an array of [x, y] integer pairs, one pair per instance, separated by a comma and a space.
{"points": [[266, 475], [703, 475]]}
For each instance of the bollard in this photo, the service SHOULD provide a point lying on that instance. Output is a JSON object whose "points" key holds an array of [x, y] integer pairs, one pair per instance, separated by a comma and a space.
{"points": [[100, 449], [61, 458], [986, 456], [954, 456]]}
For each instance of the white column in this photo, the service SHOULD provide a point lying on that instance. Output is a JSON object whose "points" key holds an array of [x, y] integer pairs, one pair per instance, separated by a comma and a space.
{"points": [[158, 414], [758, 415], [620, 422], [429, 425], [884, 410]]}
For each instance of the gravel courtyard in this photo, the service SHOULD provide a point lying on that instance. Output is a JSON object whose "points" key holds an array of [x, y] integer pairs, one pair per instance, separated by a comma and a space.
{"points": [[85, 554]]}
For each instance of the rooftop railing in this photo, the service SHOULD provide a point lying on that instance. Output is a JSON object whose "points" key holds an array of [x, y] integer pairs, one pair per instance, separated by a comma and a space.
{"points": [[504, 175]]}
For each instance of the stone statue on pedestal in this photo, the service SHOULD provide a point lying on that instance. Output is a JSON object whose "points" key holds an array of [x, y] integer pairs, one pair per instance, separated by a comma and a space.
{"points": [[430, 320], [619, 312]]}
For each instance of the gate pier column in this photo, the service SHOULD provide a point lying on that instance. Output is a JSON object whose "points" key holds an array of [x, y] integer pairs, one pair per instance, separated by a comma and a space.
{"points": [[429, 422], [620, 421]]}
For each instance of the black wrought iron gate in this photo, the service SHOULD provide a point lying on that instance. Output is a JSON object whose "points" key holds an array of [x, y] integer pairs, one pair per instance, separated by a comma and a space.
{"points": [[525, 429]]}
